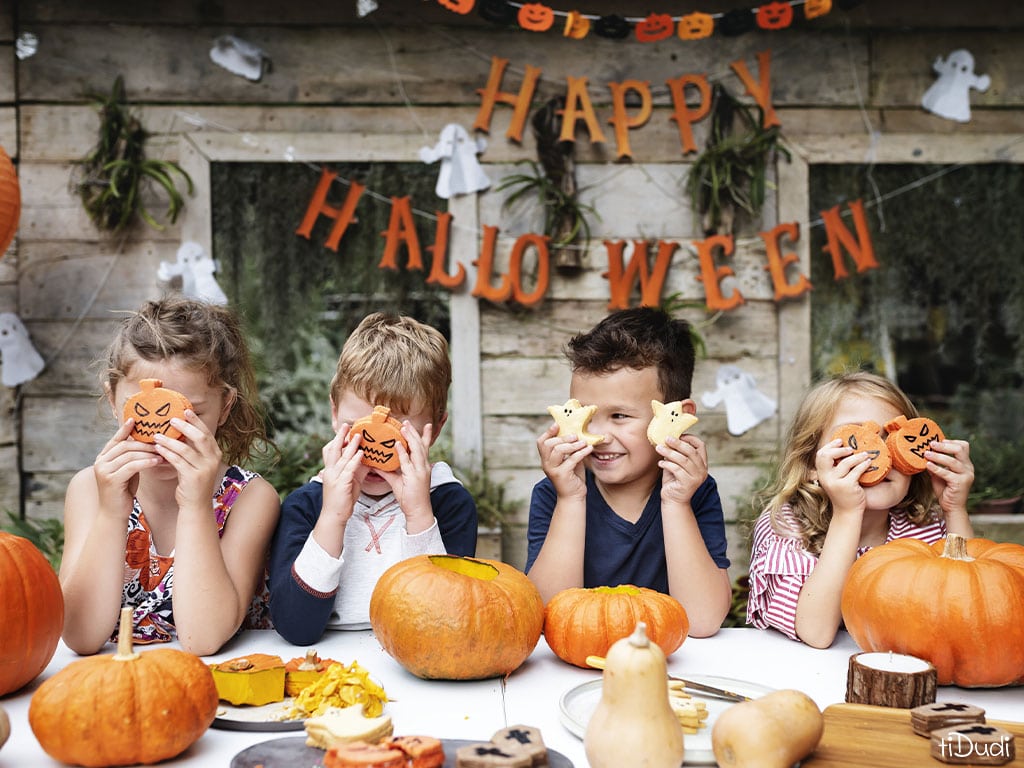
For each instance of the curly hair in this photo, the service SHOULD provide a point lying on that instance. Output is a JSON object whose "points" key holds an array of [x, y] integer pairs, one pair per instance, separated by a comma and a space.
{"points": [[206, 338], [808, 504]]}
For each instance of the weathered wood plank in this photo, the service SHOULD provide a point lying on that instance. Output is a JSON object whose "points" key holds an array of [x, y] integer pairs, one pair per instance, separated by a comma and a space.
{"points": [[912, 148], [7, 80], [7, 22], [49, 445], [8, 417], [72, 352], [10, 480]]}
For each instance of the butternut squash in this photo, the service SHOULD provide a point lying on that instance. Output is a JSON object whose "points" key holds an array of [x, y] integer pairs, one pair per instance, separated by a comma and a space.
{"points": [[634, 724], [774, 731]]}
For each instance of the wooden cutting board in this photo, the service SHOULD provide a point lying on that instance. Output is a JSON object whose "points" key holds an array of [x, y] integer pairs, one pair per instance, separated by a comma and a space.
{"points": [[881, 737]]}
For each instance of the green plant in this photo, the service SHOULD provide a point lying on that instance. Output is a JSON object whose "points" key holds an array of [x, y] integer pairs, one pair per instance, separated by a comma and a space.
{"points": [[731, 172], [492, 507], [47, 534], [113, 177], [998, 469]]}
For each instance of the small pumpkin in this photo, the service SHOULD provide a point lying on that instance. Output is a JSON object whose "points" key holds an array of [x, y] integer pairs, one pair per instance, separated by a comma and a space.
{"points": [[774, 15], [456, 618], [775, 731], [535, 17], [655, 27], [696, 26], [126, 708], [153, 407], [381, 433], [956, 603], [581, 622], [31, 612]]}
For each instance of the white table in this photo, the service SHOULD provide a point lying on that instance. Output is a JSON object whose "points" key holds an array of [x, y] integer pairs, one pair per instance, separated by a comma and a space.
{"points": [[475, 710]]}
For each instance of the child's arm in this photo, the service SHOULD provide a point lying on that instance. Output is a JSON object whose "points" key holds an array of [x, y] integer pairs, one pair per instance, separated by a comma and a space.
{"points": [[559, 562], [215, 574], [952, 473], [694, 578], [97, 506]]}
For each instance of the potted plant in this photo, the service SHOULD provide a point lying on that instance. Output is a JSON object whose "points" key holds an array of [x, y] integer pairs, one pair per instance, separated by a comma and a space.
{"points": [[998, 475]]}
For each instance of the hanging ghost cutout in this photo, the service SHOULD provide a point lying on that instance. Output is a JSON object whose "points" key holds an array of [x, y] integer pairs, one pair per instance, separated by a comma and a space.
{"points": [[240, 57], [21, 362], [194, 270], [949, 96], [365, 7], [745, 405], [460, 172]]}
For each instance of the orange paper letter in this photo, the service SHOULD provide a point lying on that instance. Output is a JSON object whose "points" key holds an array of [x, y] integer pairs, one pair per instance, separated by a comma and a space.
{"points": [[318, 205], [711, 275], [515, 269], [439, 251], [777, 262], [490, 95], [686, 117], [578, 107], [621, 119], [860, 247], [401, 228], [761, 91], [484, 265], [621, 279]]}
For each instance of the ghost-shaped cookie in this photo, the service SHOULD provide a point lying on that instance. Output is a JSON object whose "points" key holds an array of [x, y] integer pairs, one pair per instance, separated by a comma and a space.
{"points": [[573, 418], [670, 420]]}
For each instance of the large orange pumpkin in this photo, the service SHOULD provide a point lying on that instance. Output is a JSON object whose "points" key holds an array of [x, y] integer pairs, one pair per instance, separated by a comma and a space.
{"points": [[124, 709], [456, 618], [959, 604], [581, 622], [31, 612], [10, 201]]}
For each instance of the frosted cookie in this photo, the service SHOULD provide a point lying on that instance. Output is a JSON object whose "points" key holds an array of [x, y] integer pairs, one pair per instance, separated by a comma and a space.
{"points": [[421, 751], [973, 744], [943, 714], [341, 725], [908, 440], [670, 420], [866, 438], [523, 739], [153, 407], [573, 418], [489, 755], [360, 754], [380, 434]]}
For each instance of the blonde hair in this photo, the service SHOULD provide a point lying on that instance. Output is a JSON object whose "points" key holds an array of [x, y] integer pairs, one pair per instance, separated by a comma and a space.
{"points": [[810, 506], [206, 338], [396, 361]]}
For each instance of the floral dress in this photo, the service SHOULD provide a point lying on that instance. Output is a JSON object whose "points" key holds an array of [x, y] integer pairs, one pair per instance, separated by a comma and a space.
{"points": [[149, 577]]}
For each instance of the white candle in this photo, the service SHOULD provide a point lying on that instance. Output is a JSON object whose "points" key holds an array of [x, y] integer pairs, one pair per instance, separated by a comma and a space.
{"points": [[893, 662]]}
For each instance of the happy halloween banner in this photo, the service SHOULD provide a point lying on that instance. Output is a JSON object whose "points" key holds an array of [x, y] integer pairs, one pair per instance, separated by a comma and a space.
{"points": [[624, 275]]}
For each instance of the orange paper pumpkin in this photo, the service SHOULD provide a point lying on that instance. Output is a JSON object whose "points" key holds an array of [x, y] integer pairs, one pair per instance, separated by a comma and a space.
{"points": [[459, 6], [10, 201], [657, 26], [908, 440], [153, 407], [775, 15], [536, 17], [866, 438], [696, 26], [380, 435], [576, 25], [815, 8]]}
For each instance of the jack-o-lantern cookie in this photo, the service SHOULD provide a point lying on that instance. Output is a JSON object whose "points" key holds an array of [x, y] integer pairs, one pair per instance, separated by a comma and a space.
{"points": [[867, 438], [670, 420], [908, 440], [572, 418], [153, 407], [381, 433], [361, 754]]}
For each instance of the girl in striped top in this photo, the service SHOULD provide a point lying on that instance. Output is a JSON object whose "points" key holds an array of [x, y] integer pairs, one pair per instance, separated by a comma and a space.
{"points": [[819, 519]]}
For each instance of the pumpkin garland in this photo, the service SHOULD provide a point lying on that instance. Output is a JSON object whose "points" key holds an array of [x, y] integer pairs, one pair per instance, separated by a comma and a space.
{"points": [[956, 603]]}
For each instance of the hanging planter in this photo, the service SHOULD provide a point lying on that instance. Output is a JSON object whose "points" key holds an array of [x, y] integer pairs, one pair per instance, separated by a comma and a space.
{"points": [[10, 201], [114, 177]]}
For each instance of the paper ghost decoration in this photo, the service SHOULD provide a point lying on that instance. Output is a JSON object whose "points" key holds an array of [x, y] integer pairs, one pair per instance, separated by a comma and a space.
{"points": [[239, 57], [460, 172], [21, 362], [949, 96], [365, 7], [745, 405], [195, 270]]}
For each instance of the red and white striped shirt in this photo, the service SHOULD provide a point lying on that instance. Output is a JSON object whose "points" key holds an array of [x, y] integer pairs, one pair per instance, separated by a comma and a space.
{"points": [[779, 566]]}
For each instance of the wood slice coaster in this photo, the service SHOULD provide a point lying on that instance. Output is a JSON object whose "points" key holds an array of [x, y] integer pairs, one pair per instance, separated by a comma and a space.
{"points": [[943, 714], [973, 744], [890, 680]]}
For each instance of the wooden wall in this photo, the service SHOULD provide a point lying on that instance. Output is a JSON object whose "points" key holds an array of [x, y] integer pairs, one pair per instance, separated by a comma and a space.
{"points": [[845, 86]]}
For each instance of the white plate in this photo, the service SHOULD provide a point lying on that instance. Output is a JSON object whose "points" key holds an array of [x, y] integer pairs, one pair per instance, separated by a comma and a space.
{"points": [[578, 704]]}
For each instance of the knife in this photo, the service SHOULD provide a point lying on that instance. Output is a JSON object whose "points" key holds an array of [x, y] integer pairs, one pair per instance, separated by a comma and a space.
{"points": [[597, 662]]}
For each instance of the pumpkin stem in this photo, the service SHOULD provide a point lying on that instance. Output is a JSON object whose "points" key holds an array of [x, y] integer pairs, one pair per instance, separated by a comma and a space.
{"points": [[124, 639], [955, 548], [639, 637]]}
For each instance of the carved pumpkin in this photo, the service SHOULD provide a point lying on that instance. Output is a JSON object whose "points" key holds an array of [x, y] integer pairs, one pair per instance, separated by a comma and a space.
{"points": [[737, 22], [535, 17], [955, 603], [456, 618], [497, 11], [775, 15], [125, 708], [613, 27], [10, 201], [657, 26], [577, 26], [582, 622], [815, 8], [867, 437], [908, 440], [31, 612], [381, 433], [696, 26], [153, 407], [459, 6]]}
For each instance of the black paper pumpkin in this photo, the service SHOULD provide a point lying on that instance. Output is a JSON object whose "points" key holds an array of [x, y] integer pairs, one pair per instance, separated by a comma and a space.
{"points": [[497, 12], [613, 27], [737, 22]]}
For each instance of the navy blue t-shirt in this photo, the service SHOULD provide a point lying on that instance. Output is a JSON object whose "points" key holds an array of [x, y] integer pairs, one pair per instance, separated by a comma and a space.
{"points": [[617, 551]]}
